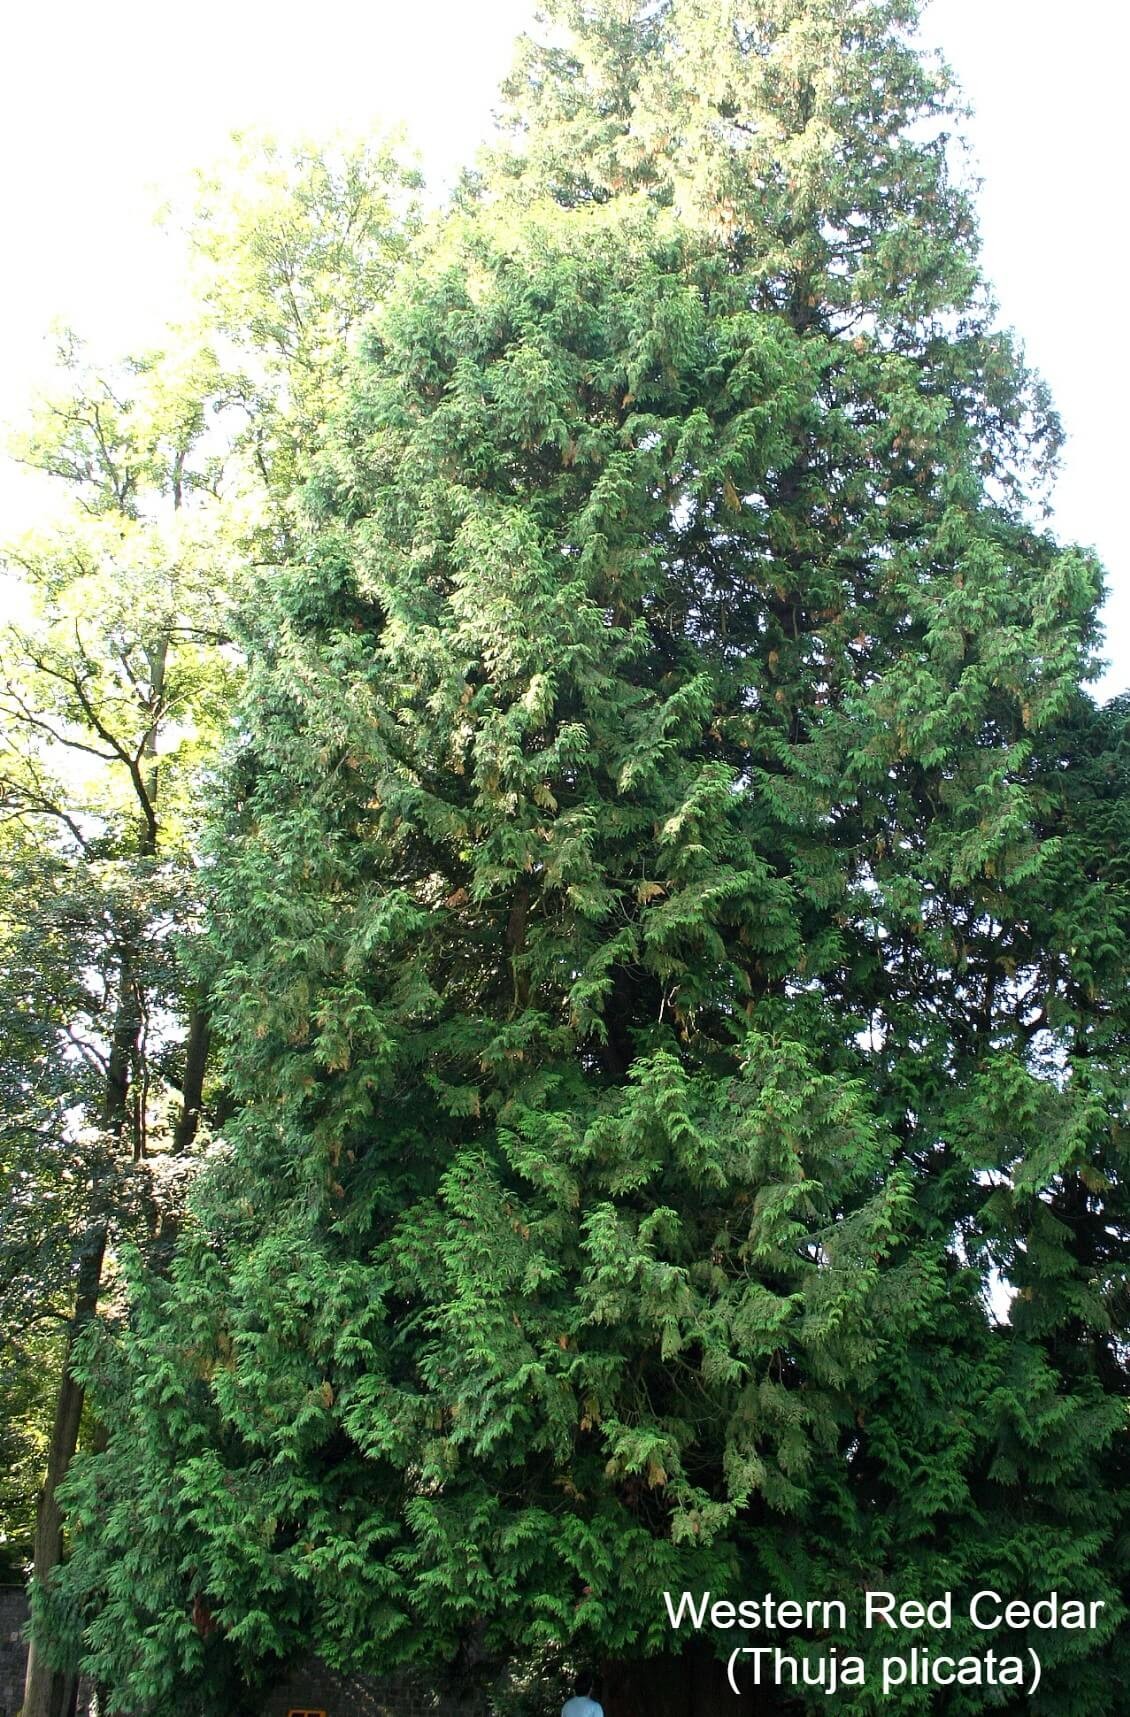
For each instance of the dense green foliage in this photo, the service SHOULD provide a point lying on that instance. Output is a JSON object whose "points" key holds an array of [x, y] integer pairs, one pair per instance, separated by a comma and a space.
{"points": [[175, 470], [669, 929]]}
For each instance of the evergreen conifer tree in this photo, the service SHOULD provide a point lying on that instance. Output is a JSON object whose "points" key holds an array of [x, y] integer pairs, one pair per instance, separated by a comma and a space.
{"points": [[669, 925]]}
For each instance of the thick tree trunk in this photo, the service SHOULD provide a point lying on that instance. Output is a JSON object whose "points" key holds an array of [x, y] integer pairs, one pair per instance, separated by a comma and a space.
{"points": [[192, 1090]]}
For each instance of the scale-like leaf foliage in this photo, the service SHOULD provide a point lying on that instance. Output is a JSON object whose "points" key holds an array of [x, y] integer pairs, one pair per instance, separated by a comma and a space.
{"points": [[669, 921]]}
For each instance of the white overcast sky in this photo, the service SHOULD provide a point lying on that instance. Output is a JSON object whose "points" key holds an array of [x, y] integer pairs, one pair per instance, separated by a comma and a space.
{"points": [[104, 108]]}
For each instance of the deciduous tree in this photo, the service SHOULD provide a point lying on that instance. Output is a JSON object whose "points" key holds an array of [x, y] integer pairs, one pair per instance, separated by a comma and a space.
{"points": [[118, 679]]}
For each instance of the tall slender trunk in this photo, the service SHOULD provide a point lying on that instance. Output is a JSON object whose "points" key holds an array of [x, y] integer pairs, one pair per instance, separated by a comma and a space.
{"points": [[45, 1688], [48, 1692]]}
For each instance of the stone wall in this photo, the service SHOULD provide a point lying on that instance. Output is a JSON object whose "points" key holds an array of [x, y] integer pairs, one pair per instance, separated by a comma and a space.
{"points": [[13, 1655], [13, 1652]]}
